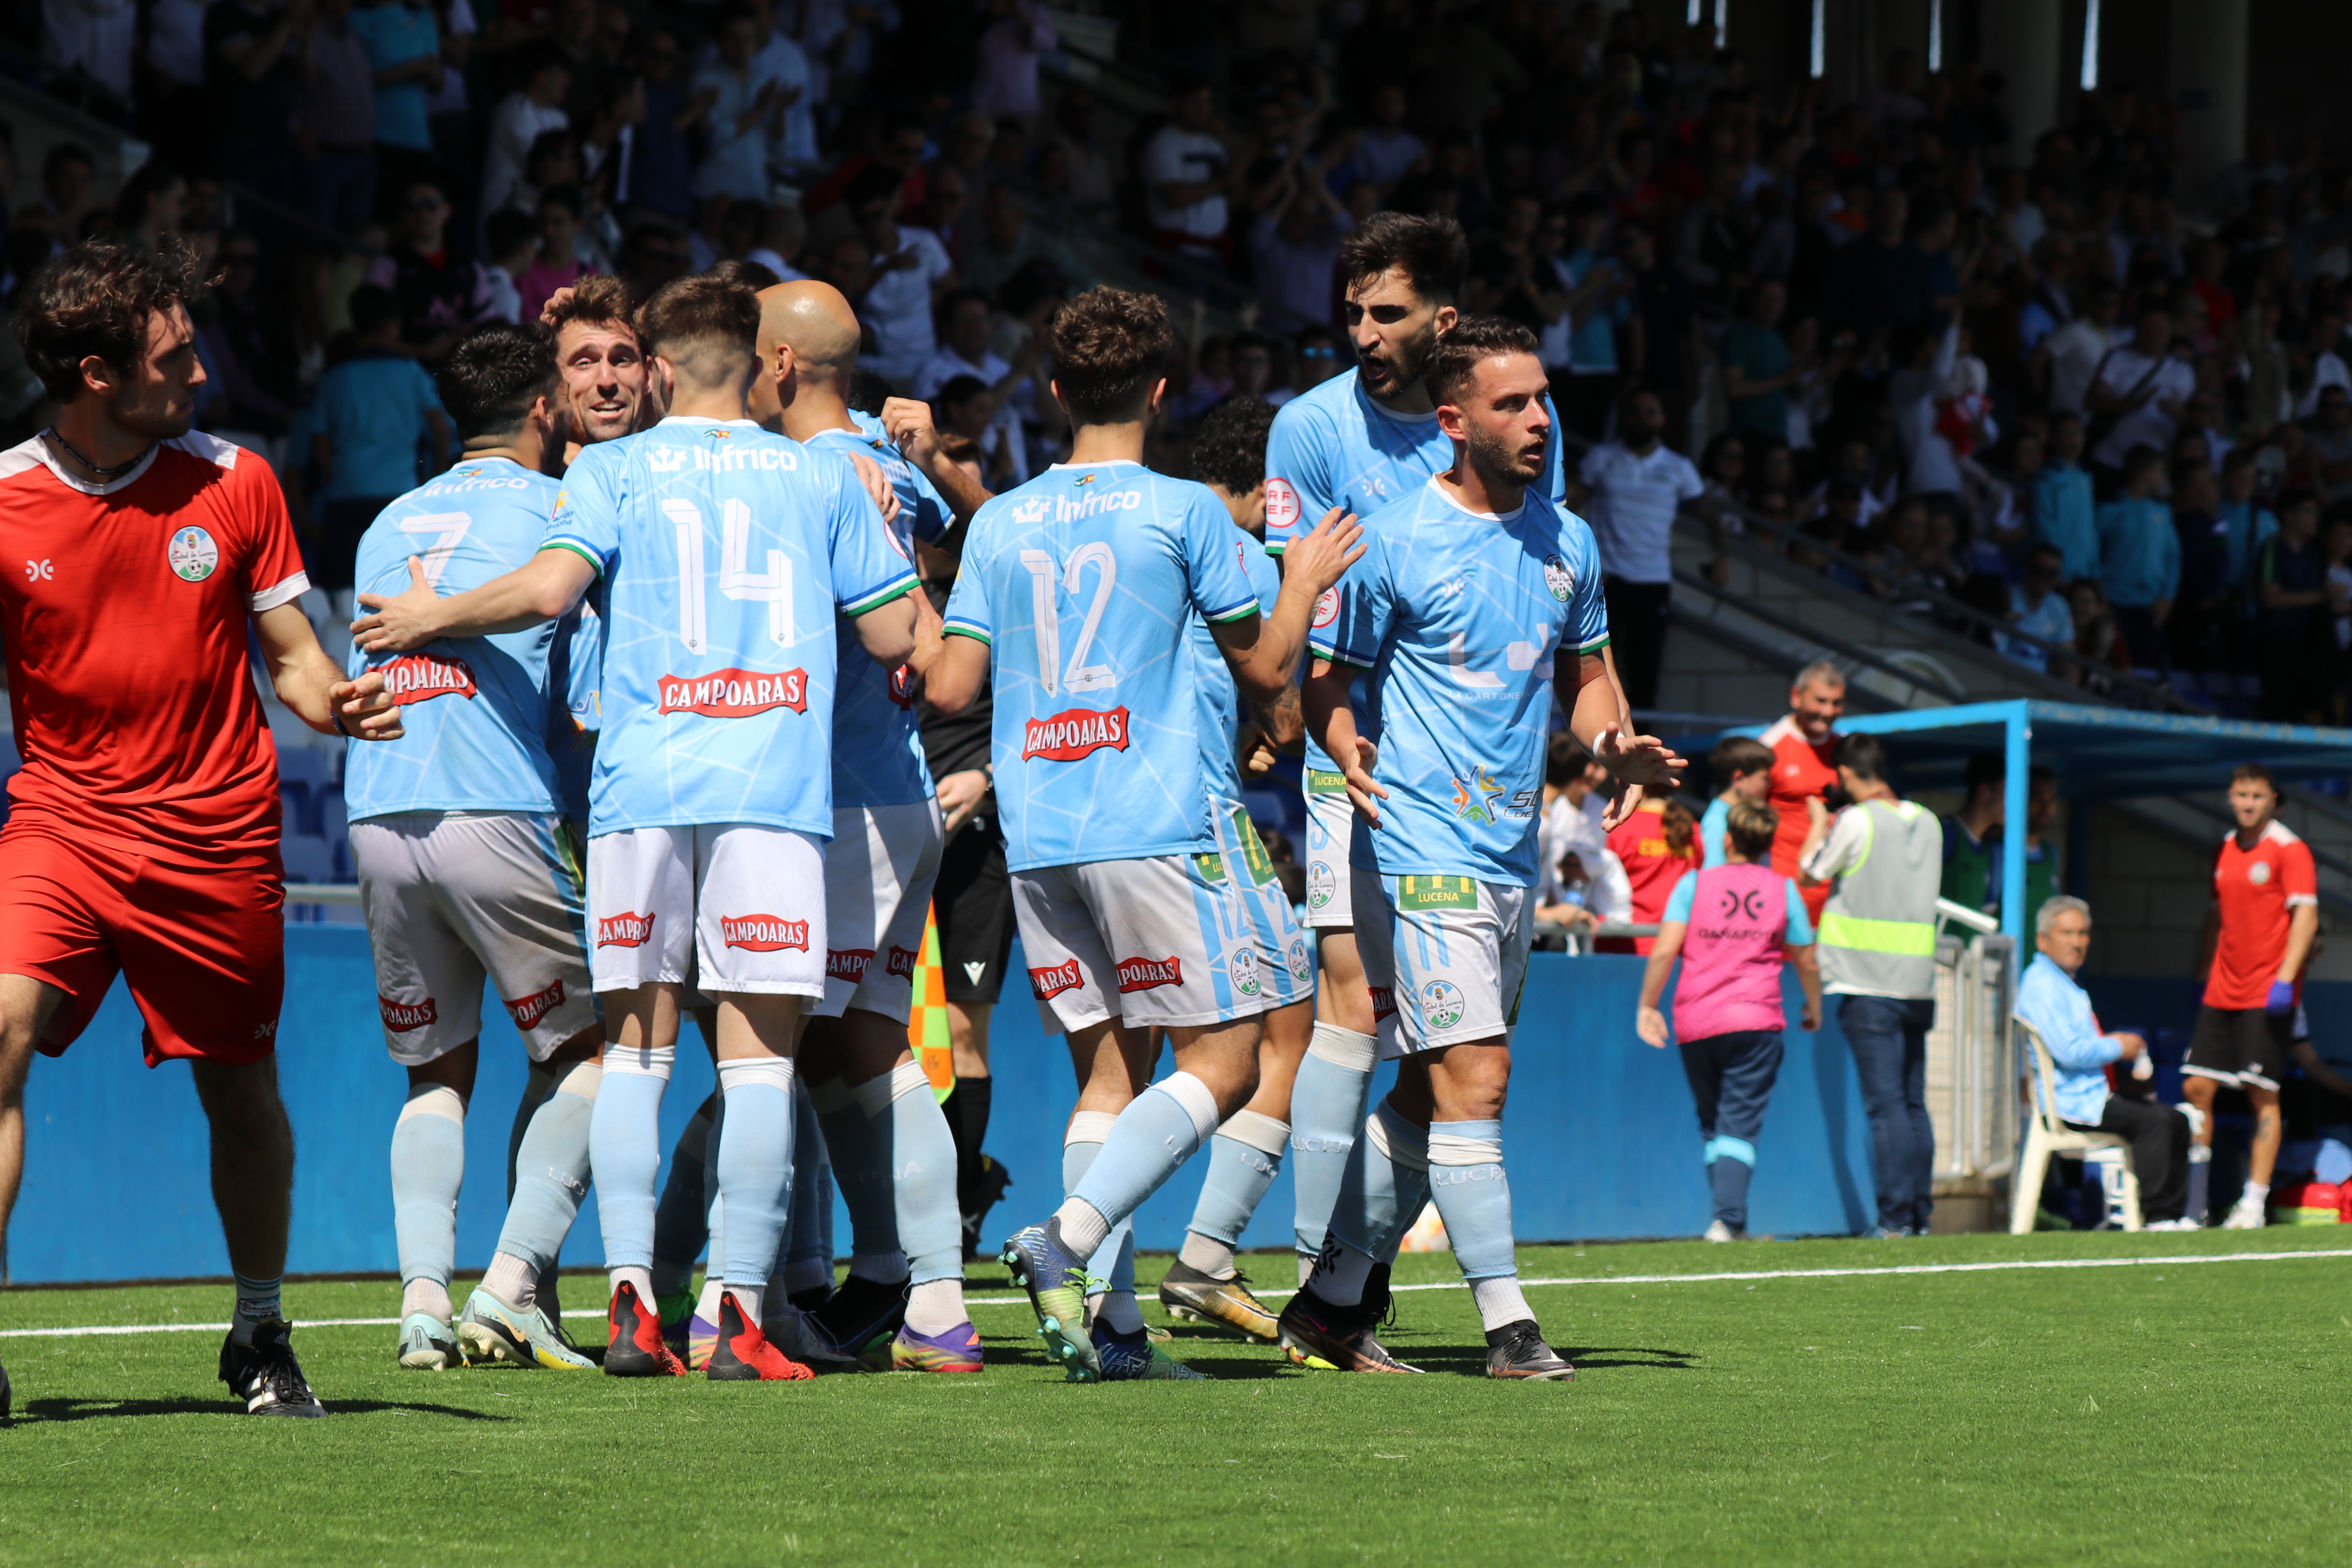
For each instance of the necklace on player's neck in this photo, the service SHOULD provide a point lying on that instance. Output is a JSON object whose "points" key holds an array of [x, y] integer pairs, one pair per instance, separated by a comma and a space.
{"points": [[100, 469]]}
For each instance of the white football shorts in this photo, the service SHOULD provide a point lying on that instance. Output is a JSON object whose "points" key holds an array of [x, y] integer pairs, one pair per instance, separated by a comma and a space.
{"points": [[453, 898], [1164, 940], [879, 872], [726, 906], [1447, 962], [1286, 967], [1330, 825]]}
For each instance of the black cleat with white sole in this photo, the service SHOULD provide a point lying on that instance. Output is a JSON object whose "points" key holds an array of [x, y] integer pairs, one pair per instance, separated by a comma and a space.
{"points": [[265, 1373], [1517, 1350]]}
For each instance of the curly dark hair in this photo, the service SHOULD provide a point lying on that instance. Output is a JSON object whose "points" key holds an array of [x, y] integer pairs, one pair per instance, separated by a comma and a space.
{"points": [[1229, 450], [1429, 250], [97, 299], [1109, 348], [493, 377]]}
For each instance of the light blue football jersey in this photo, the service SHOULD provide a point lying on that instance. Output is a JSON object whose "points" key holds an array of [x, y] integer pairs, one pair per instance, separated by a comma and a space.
{"points": [[576, 669], [1334, 446], [1457, 616], [1083, 582], [877, 748], [1219, 699], [475, 710], [726, 551]]}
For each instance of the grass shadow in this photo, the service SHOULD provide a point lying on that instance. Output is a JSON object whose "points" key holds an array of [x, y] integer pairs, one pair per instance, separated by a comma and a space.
{"points": [[38, 1412], [1586, 1358]]}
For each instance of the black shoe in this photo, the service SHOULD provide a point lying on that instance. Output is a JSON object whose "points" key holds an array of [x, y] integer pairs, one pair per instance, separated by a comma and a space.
{"points": [[860, 1312], [986, 1191], [1341, 1338], [1517, 1350], [810, 1300], [265, 1373]]}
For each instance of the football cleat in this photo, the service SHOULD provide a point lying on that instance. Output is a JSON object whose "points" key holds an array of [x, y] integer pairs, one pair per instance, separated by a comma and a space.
{"points": [[1133, 1358], [744, 1354], [859, 1319], [675, 1310], [428, 1344], [1186, 1292], [265, 1373], [958, 1350], [495, 1330], [788, 1329], [1056, 1284], [701, 1339], [1340, 1338], [1719, 1231], [638, 1349], [1517, 1350]]}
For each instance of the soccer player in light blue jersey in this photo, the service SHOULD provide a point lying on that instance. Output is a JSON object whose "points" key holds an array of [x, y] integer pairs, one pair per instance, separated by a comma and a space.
{"points": [[467, 871], [893, 1154], [1475, 597], [1078, 593], [725, 552]]}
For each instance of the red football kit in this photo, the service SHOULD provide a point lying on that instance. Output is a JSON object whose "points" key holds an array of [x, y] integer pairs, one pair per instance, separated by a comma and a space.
{"points": [[1801, 771], [1652, 870], [2257, 891], [143, 832]]}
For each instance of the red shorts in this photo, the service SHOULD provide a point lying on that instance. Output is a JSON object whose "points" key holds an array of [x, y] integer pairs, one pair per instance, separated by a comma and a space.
{"points": [[202, 946]]}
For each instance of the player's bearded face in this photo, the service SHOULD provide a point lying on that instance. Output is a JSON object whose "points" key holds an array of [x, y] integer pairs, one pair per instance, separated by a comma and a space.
{"points": [[1393, 330], [603, 380], [1503, 420], [158, 399]]}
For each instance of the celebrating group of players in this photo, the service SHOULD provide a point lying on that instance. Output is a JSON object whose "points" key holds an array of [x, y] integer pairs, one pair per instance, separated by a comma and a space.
{"points": [[706, 640]]}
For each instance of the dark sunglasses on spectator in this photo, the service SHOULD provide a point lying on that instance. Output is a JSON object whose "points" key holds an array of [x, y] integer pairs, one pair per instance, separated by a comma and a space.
{"points": [[1318, 353]]}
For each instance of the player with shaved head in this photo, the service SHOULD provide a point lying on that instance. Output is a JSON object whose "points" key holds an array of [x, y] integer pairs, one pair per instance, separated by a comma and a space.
{"points": [[893, 1154]]}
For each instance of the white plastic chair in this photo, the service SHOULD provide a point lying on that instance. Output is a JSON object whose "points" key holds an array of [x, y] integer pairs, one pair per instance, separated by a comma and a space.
{"points": [[2046, 1136]]}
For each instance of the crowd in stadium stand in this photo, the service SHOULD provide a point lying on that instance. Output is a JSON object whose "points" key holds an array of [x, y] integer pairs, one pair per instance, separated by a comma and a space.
{"points": [[2038, 392]]}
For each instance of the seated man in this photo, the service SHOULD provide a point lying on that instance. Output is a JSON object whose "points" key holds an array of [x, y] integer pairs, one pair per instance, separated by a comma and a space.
{"points": [[2049, 999]]}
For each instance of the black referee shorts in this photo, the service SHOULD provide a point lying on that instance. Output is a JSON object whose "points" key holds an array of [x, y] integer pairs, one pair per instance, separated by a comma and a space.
{"points": [[972, 901], [2239, 1046]]}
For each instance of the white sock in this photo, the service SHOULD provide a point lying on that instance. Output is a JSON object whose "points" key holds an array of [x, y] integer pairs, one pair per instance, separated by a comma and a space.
{"points": [[1119, 1311], [1207, 1254], [1305, 1267], [749, 1298], [1339, 1277], [513, 1280], [426, 1296], [2255, 1193], [1499, 1302], [1084, 1230], [641, 1278], [936, 1306], [706, 1305]]}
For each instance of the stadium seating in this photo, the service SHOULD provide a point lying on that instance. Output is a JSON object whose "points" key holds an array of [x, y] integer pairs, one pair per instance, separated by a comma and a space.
{"points": [[2046, 1136]]}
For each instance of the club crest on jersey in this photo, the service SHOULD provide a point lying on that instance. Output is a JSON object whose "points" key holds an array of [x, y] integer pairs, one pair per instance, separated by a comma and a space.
{"points": [[902, 962], [1441, 1004], [1282, 507], [1053, 979], [422, 676], [1148, 974], [400, 1017], [193, 554], [1558, 578], [772, 933], [624, 930], [1302, 968], [1244, 969], [735, 693], [1074, 733], [848, 963], [2259, 873], [527, 1010]]}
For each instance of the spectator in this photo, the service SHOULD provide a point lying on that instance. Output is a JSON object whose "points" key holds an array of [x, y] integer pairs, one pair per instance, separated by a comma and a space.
{"points": [[1881, 856], [377, 413], [440, 294], [248, 346], [1093, 181], [334, 135], [152, 204], [1315, 358], [1728, 1008], [2139, 553], [1631, 487], [2247, 522], [2290, 591], [910, 271], [2204, 609], [1385, 151], [966, 353], [1924, 353], [1657, 843], [743, 103], [68, 195], [522, 117], [558, 264], [1742, 768], [2063, 513], [2036, 606], [1295, 246], [2075, 354], [1758, 368], [1008, 241], [513, 244], [1881, 279], [2327, 447], [403, 48], [1005, 78], [2139, 390], [2051, 999], [253, 75], [661, 155], [1186, 170], [1971, 876], [1572, 814], [1579, 343]]}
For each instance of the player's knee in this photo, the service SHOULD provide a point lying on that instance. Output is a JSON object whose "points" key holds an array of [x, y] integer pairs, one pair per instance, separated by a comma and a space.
{"points": [[241, 1102]]}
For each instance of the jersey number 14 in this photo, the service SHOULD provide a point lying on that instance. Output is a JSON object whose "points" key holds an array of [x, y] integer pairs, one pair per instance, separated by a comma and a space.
{"points": [[772, 587]]}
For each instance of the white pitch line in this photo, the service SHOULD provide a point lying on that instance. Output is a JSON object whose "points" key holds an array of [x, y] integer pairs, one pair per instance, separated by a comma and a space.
{"points": [[96, 1331]]}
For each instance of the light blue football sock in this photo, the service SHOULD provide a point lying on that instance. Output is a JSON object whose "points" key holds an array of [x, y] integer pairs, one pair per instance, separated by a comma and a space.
{"points": [[1243, 1159], [755, 1172], [1386, 1187], [625, 1153], [860, 1169], [428, 1166], [682, 1219], [1328, 1105], [1157, 1131], [1474, 1199], [918, 1157], [1729, 1163], [550, 1172]]}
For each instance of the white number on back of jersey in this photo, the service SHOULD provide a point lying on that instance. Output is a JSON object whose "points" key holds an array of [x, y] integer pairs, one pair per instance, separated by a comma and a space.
{"points": [[450, 526], [1045, 603], [772, 587]]}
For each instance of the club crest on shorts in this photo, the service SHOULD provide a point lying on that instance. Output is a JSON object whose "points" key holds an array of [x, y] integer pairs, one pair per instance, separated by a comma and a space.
{"points": [[769, 934], [627, 929], [193, 554], [1558, 578], [527, 1010], [400, 1017], [1150, 974], [1321, 886], [1244, 969], [1053, 980], [1302, 967], [1441, 1004]]}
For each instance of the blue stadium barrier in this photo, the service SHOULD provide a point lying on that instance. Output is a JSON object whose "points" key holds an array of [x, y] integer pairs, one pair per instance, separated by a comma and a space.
{"points": [[1603, 1142]]}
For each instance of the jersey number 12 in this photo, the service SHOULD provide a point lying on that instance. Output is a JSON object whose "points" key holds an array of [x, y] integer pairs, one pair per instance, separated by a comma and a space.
{"points": [[1045, 580]]}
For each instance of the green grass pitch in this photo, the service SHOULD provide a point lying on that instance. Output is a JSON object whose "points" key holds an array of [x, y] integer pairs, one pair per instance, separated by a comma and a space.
{"points": [[2163, 1413]]}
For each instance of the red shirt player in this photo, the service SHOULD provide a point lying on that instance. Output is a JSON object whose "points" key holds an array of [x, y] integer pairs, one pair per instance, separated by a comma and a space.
{"points": [[1656, 850], [1804, 744], [2258, 933], [143, 838]]}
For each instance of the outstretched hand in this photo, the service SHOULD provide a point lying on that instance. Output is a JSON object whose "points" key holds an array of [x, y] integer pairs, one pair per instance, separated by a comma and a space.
{"points": [[1322, 556], [1361, 790], [1638, 759], [400, 622]]}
